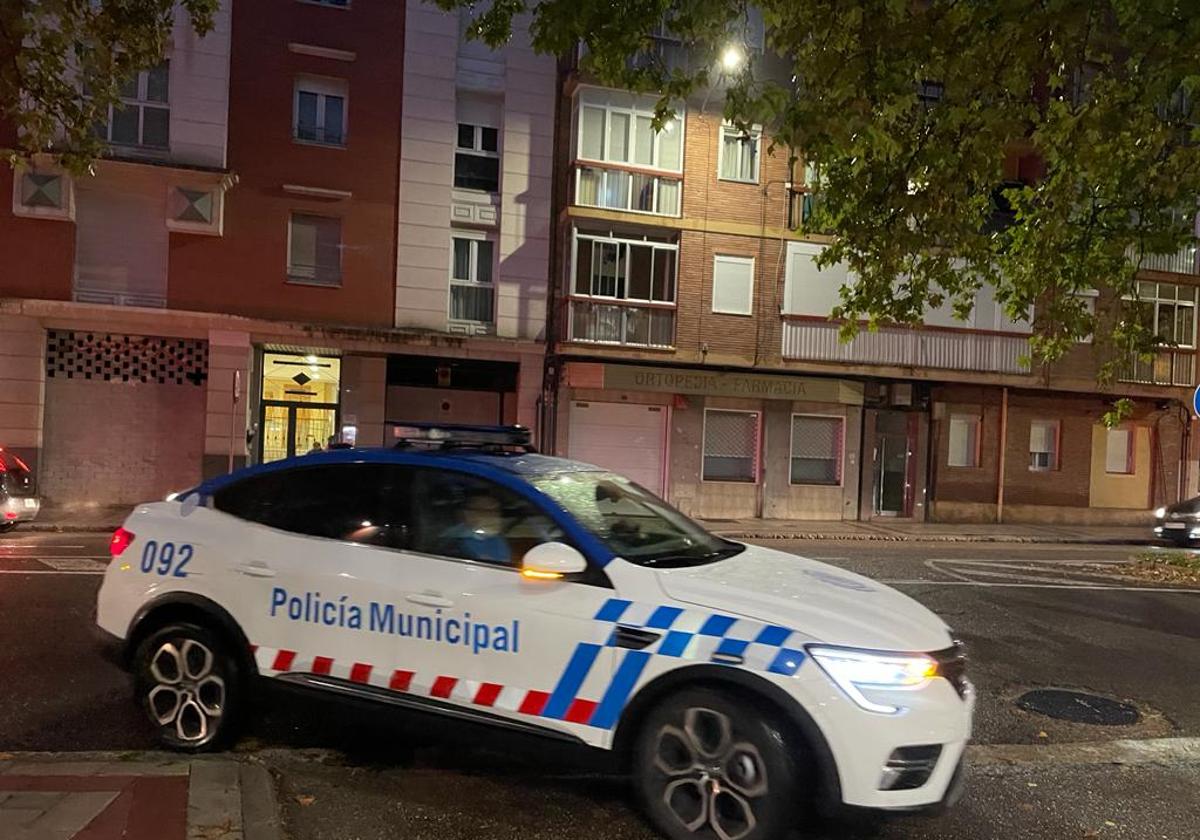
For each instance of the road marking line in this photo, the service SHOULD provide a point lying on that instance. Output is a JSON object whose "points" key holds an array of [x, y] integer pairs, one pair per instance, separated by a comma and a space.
{"points": [[933, 566], [34, 546], [47, 572], [55, 557], [994, 584], [73, 564]]}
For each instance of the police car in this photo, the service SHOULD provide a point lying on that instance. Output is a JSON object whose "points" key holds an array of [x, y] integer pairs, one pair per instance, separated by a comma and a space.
{"points": [[462, 573]]}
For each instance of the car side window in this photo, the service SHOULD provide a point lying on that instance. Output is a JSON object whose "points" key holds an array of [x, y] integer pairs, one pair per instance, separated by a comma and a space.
{"points": [[365, 503], [470, 518]]}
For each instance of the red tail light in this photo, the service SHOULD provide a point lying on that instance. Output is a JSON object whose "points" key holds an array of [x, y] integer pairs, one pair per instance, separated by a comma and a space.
{"points": [[119, 542]]}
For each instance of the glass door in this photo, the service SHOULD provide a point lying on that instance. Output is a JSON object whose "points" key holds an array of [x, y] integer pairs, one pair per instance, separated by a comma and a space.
{"points": [[893, 453], [274, 433], [300, 397], [312, 428]]}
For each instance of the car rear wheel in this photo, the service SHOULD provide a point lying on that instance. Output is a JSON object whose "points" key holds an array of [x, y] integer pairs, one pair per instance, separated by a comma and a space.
{"points": [[708, 766], [189, 686]]}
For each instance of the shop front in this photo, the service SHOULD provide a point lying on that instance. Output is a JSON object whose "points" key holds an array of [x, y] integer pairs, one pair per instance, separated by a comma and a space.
{"points": [[719, 444]]}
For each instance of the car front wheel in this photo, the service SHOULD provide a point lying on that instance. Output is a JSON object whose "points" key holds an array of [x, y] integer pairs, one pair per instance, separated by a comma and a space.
{"points": [[708, 765], [189, 686]]}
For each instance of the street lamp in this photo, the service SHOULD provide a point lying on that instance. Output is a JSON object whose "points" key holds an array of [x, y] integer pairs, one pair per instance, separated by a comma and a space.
{"points": [[732, 58]]}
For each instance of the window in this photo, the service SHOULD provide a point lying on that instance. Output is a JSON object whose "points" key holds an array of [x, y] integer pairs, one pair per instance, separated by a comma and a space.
{"points": [[1118, 451], [1167, 311], [469, 518], [625, 133], [964, 441], [315, 250], [737, 158], [623, 291], [733, 285], [816, 449], [320, 111], [143, 118], [471, 291], [1043, 445], [730, 445], [363, 503], [477, 158], [635, 524]]}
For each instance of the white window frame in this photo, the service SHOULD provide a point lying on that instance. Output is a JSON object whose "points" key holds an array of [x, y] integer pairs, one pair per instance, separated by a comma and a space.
{"points": [[141, 103], [624, 242], [975, 420], [1056, 463], [474, 238], [1156, 300], [757, 457], [1130, 450], [738, 261], [754, 134], [633, 112], [321, 87], [477, 150], [841, 456], [300, 280]]}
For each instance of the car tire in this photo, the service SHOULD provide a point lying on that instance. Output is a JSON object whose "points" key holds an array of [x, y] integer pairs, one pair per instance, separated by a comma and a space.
{"points": [[189, 686], [708, 765]]}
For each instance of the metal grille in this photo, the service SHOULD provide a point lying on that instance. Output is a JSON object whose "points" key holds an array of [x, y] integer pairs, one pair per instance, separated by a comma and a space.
{"points": [[126, 358], [816, 450], [730, 445]]}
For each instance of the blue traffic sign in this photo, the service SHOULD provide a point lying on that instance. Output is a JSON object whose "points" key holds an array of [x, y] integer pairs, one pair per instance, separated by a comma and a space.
{"points": [[1196, 401]]}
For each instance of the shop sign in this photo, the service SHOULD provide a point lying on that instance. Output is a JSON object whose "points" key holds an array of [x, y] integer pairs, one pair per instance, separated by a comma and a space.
{"points": [[721, 384]]}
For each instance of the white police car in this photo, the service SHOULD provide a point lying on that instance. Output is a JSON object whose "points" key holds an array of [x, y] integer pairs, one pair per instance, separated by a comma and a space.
{"points": [[466, 575]]}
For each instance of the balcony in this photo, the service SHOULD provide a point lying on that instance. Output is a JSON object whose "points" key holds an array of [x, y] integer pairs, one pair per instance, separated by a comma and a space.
{"points": [[898, 346], [623, 324], [629, 190], [1184, 261], [1166, 367]]}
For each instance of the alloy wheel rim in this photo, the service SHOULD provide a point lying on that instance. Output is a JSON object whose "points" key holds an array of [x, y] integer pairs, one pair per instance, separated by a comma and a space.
{"points": [[187, 697], [712, 778]]}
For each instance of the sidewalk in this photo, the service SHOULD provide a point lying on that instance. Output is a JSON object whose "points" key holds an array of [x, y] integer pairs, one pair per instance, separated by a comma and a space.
{"points": [[94, 518], [134, 796], [790, 529]]}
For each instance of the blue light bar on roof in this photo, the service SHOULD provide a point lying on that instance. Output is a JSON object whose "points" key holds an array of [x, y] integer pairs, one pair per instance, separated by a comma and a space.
{"points": [[461, 434]]}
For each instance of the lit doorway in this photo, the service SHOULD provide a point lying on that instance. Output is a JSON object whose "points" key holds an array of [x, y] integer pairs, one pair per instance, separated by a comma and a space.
{"points": [[299, 407]]}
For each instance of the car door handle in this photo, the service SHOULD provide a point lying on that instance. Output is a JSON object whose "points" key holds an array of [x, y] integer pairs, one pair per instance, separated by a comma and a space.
{"points": [[429, 599], [256, 570]]}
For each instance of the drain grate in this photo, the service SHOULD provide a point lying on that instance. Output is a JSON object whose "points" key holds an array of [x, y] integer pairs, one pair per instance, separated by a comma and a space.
{"points": [[1078, 707]]}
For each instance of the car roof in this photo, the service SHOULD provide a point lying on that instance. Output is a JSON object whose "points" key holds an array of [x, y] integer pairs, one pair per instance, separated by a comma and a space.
{"points": [[525, 465]]}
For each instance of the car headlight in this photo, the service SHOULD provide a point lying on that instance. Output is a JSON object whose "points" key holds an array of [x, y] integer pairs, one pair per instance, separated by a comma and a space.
{"points": [[854, 670], [1160, 513]]}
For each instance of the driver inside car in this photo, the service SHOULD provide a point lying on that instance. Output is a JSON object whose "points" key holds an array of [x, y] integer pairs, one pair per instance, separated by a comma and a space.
{"points": [[479, 535]]}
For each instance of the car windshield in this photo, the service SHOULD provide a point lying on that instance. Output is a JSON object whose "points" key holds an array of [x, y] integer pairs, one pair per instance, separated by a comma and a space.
{"points": [[633, 522]]}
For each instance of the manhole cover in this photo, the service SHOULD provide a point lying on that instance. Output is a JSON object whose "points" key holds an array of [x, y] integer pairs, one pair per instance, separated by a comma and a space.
{"points": [[1078, 707]]}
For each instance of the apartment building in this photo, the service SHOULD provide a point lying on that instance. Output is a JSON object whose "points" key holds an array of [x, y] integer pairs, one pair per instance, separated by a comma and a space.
{"points": [[319, 221], [692, 350]]}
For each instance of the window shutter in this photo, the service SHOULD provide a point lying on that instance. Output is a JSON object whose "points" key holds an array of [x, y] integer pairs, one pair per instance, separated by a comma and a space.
{"points": [[1116, 457], [733, 285]]}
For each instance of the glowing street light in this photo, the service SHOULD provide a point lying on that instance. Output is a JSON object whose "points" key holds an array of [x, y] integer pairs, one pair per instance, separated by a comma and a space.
{"points": [[732, 58]]}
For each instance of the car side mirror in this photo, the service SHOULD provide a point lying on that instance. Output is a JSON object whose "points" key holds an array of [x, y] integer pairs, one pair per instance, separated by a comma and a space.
{"points": [[552, 561]]}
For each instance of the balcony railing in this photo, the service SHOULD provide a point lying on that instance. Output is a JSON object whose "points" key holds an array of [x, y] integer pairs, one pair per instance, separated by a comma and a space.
{"points": [[1166, 367], [1184, 261], [944, 349], [627, 324], [623, 189]]}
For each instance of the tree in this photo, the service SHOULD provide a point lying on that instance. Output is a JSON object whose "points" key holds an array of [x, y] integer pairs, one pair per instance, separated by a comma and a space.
{"points": [[63, 63], [910, 108]]}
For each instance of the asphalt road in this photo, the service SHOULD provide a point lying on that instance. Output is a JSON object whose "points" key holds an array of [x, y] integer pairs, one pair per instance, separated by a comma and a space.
{"points": [[1032, 616]]}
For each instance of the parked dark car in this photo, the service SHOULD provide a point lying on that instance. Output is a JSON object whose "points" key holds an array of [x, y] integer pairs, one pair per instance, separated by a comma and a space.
{"points": [[18, 493], [1179, 523]]}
